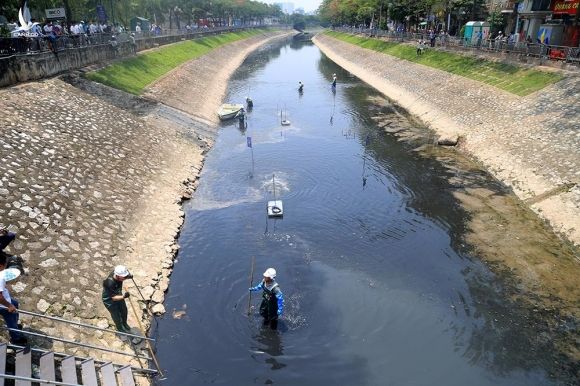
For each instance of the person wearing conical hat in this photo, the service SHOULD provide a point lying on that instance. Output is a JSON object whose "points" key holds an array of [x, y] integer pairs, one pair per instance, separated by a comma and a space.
{"points": [[272, 305]]}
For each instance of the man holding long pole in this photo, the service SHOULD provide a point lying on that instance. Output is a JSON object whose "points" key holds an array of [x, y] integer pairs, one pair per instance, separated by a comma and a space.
{"points": [[114, 298], [272, 305]]}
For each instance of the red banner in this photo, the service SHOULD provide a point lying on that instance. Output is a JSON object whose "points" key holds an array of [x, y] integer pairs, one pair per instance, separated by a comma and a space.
{"points": [[565, 6]]}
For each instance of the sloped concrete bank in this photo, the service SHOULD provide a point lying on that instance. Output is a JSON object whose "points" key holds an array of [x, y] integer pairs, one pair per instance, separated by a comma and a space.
{"points": [[532, 143], [30, 67], [92, 177]]}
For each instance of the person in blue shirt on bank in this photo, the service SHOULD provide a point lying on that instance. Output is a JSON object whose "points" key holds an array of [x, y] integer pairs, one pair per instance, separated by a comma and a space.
{"points": [[272, 305]]}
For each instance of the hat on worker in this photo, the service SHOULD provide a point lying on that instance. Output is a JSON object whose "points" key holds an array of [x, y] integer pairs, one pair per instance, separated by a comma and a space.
{"points": [[270, 272], [121, 271]]}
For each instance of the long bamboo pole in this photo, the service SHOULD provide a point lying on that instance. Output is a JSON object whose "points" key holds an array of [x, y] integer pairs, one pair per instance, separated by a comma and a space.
{"points": [[148, 343], [251, 282]]}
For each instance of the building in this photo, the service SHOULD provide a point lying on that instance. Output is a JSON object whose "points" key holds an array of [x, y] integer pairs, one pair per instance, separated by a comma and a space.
{"points": [[549, 22], [563, 14]]}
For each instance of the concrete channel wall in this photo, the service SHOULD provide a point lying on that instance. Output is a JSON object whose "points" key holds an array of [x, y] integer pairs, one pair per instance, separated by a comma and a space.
{"points": [[23, 68], [529, 143]]}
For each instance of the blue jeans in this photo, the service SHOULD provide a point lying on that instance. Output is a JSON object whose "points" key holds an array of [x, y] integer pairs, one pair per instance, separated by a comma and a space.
{"points": [[6, 239], [11, 319]]}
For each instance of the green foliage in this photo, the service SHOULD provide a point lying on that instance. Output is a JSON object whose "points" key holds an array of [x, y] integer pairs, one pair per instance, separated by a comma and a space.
{"points": [[495, 19], [134, 74], [514, 79], [409, 12], [159, 10], [4, 32]]}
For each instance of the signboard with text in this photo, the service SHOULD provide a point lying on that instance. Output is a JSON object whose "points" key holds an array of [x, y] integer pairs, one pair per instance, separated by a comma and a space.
{"points": [[569, 7], [55, 13]]}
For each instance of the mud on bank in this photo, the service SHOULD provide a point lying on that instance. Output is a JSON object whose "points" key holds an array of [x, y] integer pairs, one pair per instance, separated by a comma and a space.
{"points": [[535, 270]]}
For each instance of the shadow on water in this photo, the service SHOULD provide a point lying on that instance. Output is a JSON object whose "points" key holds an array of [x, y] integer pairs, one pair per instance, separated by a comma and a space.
{"points": [[382, 279]]}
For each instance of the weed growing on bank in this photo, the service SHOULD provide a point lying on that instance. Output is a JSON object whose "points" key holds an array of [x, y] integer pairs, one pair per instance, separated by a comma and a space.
{"points": [[134, 74], [516, 80]]}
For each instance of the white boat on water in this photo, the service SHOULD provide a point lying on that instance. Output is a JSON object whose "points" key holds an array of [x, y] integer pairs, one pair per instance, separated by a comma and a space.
{"points": [[229, 110]]}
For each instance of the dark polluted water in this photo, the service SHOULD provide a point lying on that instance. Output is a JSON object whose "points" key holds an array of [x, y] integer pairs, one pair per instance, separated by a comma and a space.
{"points": [[379, 289]]}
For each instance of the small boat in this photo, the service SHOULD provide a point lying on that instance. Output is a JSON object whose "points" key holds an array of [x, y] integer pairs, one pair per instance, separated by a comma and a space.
{"points": [[229, 111]]}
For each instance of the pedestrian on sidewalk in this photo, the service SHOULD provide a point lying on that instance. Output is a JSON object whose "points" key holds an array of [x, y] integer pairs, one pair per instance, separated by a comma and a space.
{"points": [[114, 298], [272, 305], [9, 309]]}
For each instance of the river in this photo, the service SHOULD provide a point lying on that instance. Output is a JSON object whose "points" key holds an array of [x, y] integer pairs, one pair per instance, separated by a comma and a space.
{"points": [[379, 287]]}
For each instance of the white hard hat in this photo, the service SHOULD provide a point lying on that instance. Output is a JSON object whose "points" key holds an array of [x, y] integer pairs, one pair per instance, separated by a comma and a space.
{"points": [[270, 272], [121, 271]]}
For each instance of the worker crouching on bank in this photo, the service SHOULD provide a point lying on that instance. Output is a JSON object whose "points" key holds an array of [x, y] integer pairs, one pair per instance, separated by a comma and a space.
{"points": [[272, 304], [114, 298]]}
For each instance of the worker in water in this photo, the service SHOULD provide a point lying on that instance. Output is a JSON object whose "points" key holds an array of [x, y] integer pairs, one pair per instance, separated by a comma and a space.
{"points": [[300, 86], [333, 80], [114, 298], [272, 304]]}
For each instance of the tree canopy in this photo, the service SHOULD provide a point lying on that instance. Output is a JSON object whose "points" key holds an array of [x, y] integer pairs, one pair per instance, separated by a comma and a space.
{"points": [[121, 11], [406, 12]]}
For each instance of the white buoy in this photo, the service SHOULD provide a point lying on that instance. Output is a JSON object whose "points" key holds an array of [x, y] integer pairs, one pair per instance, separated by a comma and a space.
{"points": [[275, 208]]}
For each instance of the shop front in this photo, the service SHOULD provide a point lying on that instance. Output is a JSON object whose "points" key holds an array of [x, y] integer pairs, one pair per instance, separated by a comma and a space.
{"points": [[564, 13]]}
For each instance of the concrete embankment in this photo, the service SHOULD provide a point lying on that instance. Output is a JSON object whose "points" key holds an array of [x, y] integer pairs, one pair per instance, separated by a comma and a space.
{"points": [[93, 177], [529, 143], [25, 68]]}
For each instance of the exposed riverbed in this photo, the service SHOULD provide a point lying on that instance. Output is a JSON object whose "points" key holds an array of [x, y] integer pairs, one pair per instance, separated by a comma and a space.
{"points": [[379, 253]]}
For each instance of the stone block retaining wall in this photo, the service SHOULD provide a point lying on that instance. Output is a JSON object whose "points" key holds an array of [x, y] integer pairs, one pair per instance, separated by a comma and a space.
{"points": [[530, 143]]}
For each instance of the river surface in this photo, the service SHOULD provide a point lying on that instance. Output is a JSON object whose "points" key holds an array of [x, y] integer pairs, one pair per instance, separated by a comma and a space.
{"points": [[379, 288]]}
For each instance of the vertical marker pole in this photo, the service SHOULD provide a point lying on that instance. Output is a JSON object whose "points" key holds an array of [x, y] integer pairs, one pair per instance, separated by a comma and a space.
{"points": [[251, 282]]}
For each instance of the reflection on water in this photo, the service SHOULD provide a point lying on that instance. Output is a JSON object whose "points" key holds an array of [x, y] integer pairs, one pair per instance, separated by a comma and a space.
{"points": [[269, 346], [379, 288]]}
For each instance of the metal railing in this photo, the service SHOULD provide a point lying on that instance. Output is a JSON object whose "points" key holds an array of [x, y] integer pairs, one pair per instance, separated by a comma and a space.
{"points": [[36, 380], [97, 361], [504, 46], [46, 43], [79, 344], [90, 326]]}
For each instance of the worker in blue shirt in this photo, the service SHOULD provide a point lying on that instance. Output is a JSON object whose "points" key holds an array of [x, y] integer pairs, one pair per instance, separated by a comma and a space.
{"points": [[272, 304]]}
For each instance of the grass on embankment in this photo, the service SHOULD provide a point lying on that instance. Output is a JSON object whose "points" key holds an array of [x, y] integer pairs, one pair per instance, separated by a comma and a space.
{"points": [[134, 74], [516, 80]]}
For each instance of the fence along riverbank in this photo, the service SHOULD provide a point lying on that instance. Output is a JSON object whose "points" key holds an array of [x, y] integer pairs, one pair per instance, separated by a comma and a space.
{"points": [[26, 59]]}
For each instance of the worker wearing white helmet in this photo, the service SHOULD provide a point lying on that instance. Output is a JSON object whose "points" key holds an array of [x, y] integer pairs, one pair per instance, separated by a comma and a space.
{"points": [[114, 298], [272, 305]]}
